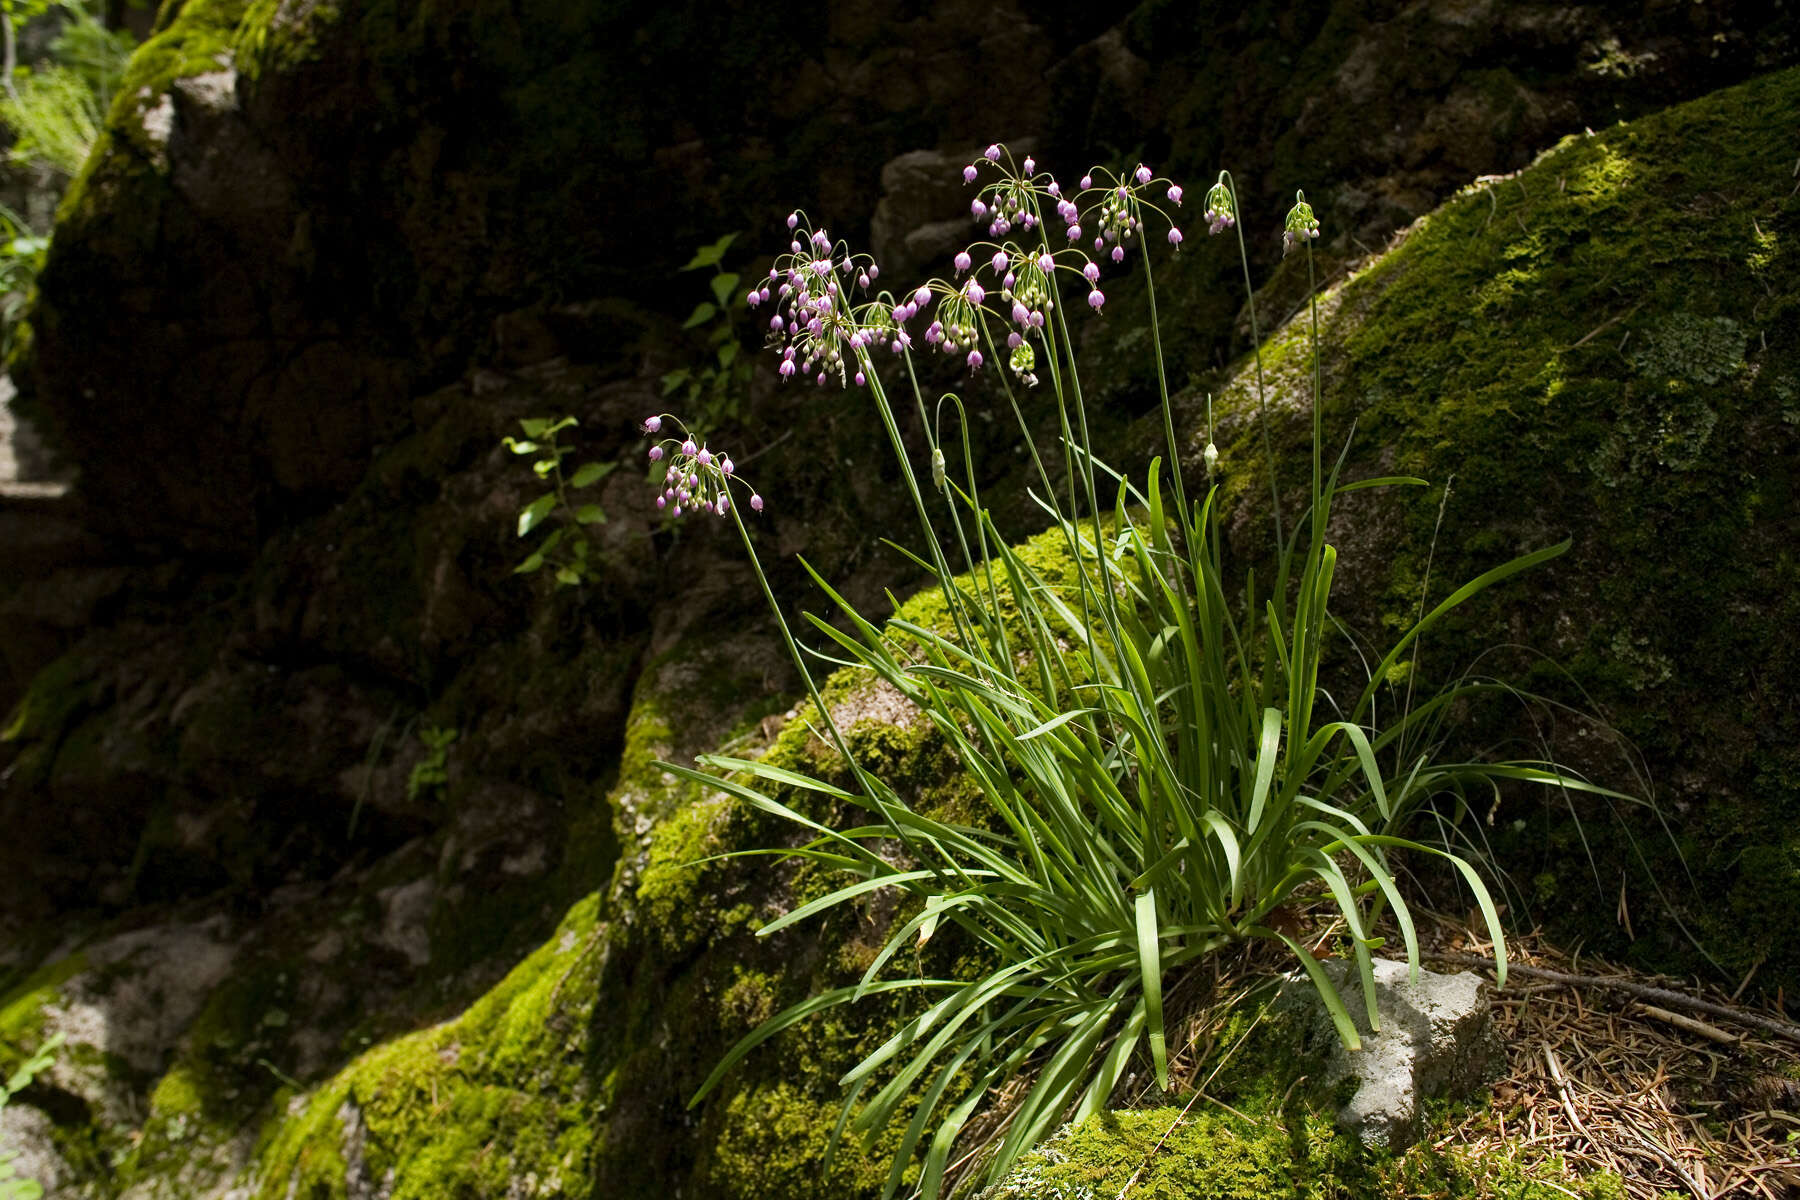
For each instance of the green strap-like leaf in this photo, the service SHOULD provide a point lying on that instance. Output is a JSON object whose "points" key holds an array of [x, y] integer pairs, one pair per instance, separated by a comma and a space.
{"points": [[773, 774], [831, 900], [1480, 583], [1267, 746], [1150, 969], [800, 1012]]}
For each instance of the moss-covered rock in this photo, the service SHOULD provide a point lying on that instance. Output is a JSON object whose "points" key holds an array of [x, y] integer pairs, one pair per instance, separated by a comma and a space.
{"points": [[1601, 348]]}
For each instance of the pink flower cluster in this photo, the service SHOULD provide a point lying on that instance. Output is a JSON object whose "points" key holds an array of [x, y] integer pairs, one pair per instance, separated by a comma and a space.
{"points": [[821, 329], [695, 478], [823, 333]]}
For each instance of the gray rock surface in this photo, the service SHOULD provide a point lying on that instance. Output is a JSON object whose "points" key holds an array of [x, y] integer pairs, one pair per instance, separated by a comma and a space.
{"points": [[25, 1134], [1436, 1040]]}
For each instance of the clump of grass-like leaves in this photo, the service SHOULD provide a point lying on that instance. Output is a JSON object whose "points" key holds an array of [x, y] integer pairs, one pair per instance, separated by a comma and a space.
{"points": [[1163, 770]]}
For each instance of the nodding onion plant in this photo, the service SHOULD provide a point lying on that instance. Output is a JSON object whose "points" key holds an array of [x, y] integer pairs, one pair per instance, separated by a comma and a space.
{"points": [[1161, 772]]}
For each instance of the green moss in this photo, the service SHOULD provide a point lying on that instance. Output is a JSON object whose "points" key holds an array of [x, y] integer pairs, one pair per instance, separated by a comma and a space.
{"points": [[1210, 1152], [22, 1009], [177, 1093], [467, 1106]]}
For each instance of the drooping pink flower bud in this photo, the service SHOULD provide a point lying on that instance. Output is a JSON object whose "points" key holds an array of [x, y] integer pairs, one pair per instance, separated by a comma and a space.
{"points": [[962, 261], [992, 153], [974, 360], [1175, 193], [1143, 174], [1096, 299], [1087, 181], [756, 502], [969, 173], [1174, 236], [793, 219], [652, 424], [656, 452]]}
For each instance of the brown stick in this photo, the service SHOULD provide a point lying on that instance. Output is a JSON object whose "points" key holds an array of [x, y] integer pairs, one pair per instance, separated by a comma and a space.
{"points": [[1710, 1032], [1642, 991]]}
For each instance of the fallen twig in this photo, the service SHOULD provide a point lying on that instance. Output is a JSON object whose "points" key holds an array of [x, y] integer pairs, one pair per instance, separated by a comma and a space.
{"points": [[1712, 1032], [1642, 991], [1608, 324]]}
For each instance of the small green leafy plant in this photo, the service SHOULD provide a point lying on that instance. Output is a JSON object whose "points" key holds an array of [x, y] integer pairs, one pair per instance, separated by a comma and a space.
{"points": [[21, 258], [12, 1187], [1162, 769], [563, 545], [55, 109], [715, 389], [432, 770]]}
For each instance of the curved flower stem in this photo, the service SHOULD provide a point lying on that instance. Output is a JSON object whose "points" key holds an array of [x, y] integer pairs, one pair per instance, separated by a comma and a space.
{"points": [[1162, 384], [1312, 299], [1109, 603], [952, 598], [974, 500], [864, 781], [1262, 401]]}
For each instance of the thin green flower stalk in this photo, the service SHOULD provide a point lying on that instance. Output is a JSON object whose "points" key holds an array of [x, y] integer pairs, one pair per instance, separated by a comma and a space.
{"points": [[1221, 214], [1158, 778]]}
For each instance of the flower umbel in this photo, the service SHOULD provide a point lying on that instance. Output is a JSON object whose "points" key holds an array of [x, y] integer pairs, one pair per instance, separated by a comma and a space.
{"points": [[821, 330], [1301, 224], [1220, 214], [695, 477]]}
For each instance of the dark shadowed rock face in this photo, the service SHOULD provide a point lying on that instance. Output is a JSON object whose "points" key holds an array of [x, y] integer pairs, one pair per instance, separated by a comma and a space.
{"points": [[242, 300]]}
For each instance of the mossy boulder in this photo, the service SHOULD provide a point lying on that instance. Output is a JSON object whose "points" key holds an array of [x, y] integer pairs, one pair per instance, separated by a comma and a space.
{"points": [[1601, 348]]}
